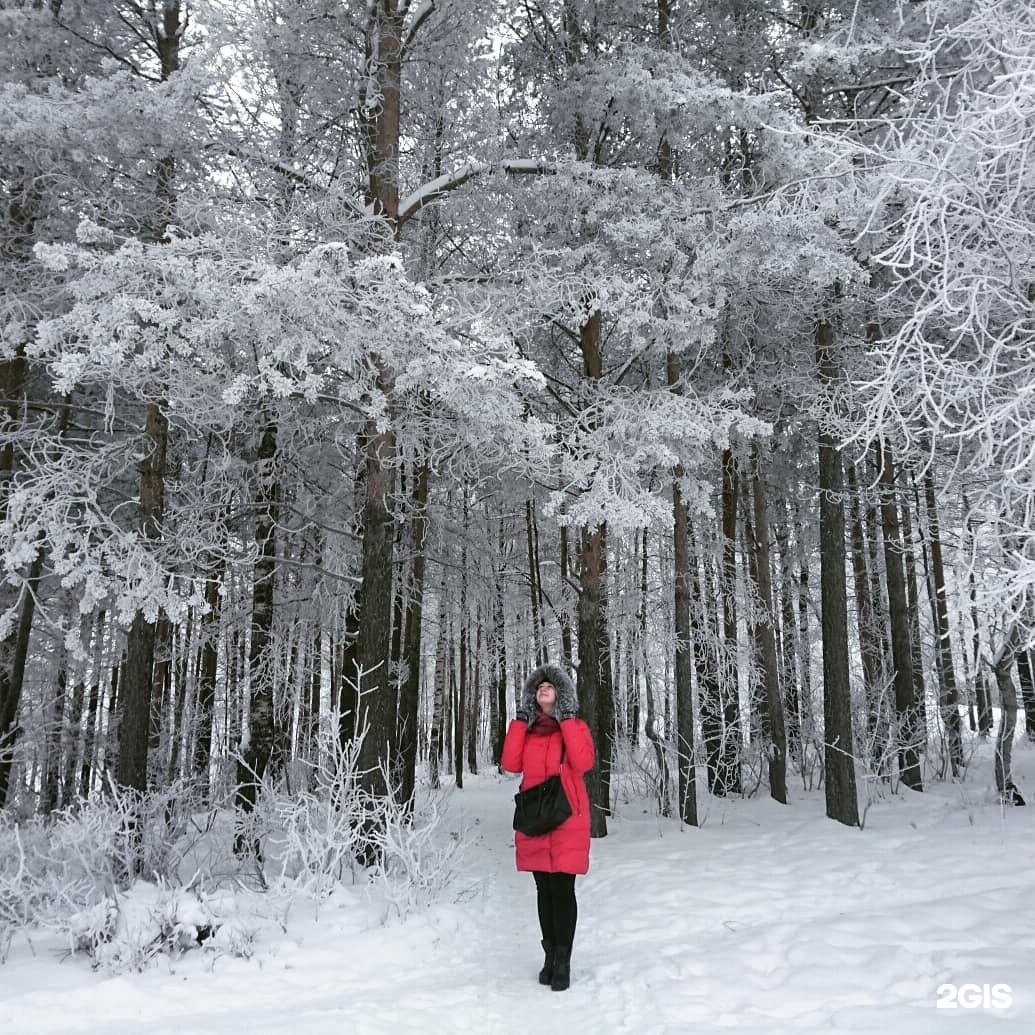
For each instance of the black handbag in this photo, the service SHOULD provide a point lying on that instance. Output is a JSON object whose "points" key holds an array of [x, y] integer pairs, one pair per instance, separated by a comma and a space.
{"points": [[541, 808]]}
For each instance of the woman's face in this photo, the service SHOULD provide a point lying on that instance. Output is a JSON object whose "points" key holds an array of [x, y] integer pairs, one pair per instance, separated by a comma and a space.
{"points": [[546, 696]]}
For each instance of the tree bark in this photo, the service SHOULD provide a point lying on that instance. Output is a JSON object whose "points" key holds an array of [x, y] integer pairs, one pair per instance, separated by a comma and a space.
{"points": [[439, 703], [137, 676], [535, 594], [871, 644], [14, 672], [681, 602], [1026, 679], [498, 699], [913, 607], [206, 690], [409, 697], [946, 670], [376, 699], [1002, 665], [594, 673], [91, 735], [772, 718], [838, 755], [901, 647], [789, 644], [257, 748], [138, 670], [722, 729]]}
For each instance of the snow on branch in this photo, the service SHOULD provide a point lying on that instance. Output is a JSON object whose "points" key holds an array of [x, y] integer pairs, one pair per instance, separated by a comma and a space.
{"points": [[442, 185], [420, 16]]}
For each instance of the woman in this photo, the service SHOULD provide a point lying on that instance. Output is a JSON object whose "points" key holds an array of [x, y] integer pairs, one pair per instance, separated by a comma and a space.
{"points": [[547, 738]]}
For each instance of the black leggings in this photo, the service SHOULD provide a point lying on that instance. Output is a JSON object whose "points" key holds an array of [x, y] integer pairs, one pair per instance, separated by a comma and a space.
{"points": [[558, 911]]}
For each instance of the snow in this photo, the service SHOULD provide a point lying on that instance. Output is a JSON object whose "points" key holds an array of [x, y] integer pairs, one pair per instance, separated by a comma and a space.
{"points": [[767, 919]]}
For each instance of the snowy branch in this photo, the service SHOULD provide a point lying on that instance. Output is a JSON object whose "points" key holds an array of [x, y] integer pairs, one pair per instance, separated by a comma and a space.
{"points": [[442, 185], [420, 16]]}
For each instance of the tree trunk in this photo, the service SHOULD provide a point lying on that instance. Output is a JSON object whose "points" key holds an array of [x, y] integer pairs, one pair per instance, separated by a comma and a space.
{"points": [[373, 641], [137, 677], [682, 593], [594, 674], [772, 719], [1026, 679], [901, 647], [474, 710], [838, 761], [722, 729], [458, 697], [206, 691], [946, 670], [498, 699], [13, 657], [567, 649], [138, 670], [789, 643], [161, 693], [460, 713], [50, 784], [93, 707], [409, 697], [1002, 664], [871, 644], [681, 601], [438, 707], [535, 594], [371, 674], [257, 746], [913, 607]]}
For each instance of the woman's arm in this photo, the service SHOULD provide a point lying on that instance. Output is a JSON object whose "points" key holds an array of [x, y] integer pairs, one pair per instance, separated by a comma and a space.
{"points": [[512, 759], [578, 745]]}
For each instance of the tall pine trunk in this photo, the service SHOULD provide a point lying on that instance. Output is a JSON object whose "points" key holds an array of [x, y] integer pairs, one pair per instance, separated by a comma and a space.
{"points": [[256, 753], [137, 673], [594, 675], [409, 697], [871, 644], [901, 646], [684, 663], [772, 719], [838, 761], [946, 670]]}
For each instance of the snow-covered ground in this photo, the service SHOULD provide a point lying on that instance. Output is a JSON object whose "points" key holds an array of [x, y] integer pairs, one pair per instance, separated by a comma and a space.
{"points": [[767, 919]]}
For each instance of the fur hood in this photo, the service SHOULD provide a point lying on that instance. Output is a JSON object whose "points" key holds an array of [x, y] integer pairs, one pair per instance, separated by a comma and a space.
{"points": [[567, 698]]}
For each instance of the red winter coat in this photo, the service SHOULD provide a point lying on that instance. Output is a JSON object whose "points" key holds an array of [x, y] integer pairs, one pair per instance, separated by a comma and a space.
{"points": [[565, 849]]}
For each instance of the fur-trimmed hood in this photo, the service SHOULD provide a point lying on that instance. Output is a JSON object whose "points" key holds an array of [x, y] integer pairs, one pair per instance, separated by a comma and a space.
{"points": [[567, 698]]}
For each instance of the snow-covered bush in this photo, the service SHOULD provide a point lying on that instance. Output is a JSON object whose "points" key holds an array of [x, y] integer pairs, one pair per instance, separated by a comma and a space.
{"points": [[416, 864], [64, 870], [124, 931], [313, 838], [316, 839], [124, 878]]}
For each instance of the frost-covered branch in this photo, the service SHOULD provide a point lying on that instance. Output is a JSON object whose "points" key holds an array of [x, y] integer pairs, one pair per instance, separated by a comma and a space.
{"points": [[443, 185]]}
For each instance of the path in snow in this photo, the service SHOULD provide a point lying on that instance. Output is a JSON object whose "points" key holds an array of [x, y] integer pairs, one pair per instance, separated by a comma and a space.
{"points": [[768, 919]]}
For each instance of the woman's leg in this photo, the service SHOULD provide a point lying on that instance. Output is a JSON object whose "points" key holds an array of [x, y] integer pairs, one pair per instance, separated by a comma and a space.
{"points": [[544, 904], [565, 914], [565, 908]]}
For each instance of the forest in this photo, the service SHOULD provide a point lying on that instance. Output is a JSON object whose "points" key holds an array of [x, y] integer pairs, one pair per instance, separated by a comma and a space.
{"points": [[358, 357]]}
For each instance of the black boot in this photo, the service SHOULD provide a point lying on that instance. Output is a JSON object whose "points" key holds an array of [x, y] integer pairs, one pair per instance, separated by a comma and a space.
{"points": [[561, 967], [546, 974]]}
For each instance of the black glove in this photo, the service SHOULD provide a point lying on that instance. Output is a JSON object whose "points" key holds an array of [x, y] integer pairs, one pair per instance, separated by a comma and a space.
{"points": [[521, 714]]}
